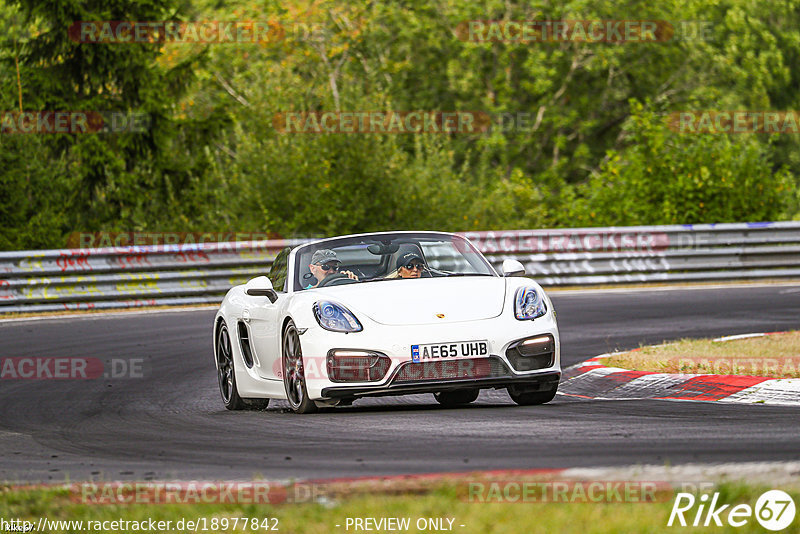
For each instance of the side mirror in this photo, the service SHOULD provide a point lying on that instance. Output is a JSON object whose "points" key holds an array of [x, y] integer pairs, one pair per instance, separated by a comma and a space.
{"points": [[513, 268], [260, 286]]}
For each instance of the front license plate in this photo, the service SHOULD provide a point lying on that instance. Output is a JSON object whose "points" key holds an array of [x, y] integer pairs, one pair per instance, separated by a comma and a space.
{"points": [[446, 351]]}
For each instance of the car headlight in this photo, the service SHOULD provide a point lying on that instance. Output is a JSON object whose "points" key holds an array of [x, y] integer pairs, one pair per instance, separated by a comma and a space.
{"points": [[335, 317], [528, 304]]}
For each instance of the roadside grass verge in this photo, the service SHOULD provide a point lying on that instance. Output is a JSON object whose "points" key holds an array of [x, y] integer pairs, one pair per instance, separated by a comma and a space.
{"points": [[774, 356], [438, 500]]}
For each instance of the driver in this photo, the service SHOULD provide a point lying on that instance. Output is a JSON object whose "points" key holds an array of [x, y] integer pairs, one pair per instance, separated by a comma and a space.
{"points": [[324, 263]]}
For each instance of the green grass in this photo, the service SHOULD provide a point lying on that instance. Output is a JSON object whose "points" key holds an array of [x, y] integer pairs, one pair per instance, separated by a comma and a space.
{"points": [[448, 499], [774, 356]]}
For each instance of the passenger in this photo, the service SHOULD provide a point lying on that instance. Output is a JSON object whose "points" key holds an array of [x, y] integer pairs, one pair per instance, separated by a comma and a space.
{"points": [[410, 265]]}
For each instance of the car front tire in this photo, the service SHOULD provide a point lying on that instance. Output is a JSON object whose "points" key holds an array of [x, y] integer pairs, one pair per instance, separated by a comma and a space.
{"points": [[294, 381]]}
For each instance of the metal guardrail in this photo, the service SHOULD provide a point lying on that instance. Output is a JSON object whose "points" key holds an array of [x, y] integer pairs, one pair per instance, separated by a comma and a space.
{"points": [[135, 276], [138, 276], [642, 254]]}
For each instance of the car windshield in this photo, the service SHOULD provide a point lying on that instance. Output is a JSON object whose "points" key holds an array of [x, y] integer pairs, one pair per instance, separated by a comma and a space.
{"points": [[384, 257]]}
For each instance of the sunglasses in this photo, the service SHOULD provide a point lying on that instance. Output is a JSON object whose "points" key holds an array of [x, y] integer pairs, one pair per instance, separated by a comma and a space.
{"points": [[414, 266], [330, 267]]}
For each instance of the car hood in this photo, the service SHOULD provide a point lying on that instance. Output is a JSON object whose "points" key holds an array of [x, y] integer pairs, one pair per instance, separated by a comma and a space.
{"points": [[422, 301]]}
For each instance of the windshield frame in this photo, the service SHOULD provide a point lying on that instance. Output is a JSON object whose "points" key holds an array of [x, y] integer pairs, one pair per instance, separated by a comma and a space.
{"points": [[294, 266]]}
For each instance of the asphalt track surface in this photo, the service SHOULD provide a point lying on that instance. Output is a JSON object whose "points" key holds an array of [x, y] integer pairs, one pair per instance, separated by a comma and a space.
{"points": [[172, 425]]}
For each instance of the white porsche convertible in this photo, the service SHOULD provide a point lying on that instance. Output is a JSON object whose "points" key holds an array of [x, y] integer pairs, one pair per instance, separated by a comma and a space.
{"points": [[388, 313]]}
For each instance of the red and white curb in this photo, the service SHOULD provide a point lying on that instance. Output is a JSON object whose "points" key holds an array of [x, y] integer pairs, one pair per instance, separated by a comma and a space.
{"points": [[594, 380]]}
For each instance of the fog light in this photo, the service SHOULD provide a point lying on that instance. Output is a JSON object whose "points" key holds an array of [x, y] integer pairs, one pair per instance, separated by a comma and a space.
{"points": [[532, 353], [536, 345]]}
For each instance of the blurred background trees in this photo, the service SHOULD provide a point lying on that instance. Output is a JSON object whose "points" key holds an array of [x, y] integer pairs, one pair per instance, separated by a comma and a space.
{"points": [[598, 151]]}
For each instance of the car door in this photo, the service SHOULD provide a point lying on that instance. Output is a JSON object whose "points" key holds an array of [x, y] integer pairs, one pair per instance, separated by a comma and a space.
{"points": [[263, 319]]}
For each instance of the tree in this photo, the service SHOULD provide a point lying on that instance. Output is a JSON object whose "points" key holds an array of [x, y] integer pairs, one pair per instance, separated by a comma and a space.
{"points": [[114, 180]]}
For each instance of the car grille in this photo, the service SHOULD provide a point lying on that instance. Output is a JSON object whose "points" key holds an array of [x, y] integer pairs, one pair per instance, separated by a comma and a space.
{"points": [[464, 369], [355, 367]]}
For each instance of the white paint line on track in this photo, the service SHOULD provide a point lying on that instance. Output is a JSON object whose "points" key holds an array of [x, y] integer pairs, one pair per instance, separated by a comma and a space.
{"points": [[770, 473], [110, 314], [734, 338], [589, 290]]}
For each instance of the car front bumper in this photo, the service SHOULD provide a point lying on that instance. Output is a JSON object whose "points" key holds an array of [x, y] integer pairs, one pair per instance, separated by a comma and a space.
{"points": [[494, 370], [539, 382]]}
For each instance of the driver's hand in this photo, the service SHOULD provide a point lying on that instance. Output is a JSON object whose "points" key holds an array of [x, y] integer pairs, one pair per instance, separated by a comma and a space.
{"points": [[349, 274]]}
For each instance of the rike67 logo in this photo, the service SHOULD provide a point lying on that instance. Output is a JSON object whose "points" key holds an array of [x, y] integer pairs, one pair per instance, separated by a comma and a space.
{"points": [[774, 510]]}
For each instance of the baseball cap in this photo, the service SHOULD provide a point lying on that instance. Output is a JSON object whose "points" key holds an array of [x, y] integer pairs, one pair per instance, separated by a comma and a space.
{"points": [[323, 255], [407, 258]]}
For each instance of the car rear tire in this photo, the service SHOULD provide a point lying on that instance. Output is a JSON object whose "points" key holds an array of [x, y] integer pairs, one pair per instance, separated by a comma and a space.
{"points": [[457, 397], [294, 381], [226, 375], [530, 398]]}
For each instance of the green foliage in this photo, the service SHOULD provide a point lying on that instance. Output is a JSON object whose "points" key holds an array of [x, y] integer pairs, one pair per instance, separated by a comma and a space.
{"points": [[664, 178], [594, 151], [64, 183]]}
